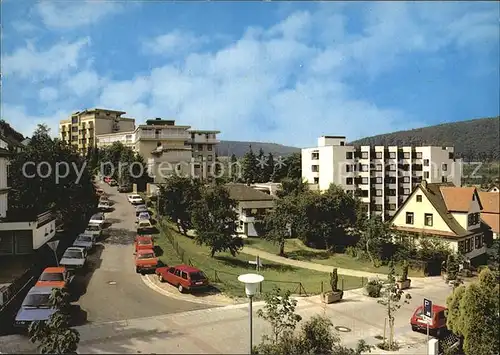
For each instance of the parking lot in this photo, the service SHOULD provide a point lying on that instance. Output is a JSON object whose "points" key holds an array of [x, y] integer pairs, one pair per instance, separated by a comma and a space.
{"points": [[112, 290]]}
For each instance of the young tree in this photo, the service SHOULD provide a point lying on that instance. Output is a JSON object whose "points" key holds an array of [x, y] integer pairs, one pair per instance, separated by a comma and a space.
{"points": [[391, 298], [177, 199], [214, 218], [474, 314], [55, 335], [279, 221], [374, 233], [250, 167]]}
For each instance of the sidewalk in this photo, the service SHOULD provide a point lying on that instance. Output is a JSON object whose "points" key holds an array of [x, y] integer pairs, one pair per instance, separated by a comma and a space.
{"points": [[309, 265]]}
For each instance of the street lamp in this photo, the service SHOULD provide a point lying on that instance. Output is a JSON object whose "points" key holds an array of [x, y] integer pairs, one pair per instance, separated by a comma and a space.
{"points": [[251, 282]]}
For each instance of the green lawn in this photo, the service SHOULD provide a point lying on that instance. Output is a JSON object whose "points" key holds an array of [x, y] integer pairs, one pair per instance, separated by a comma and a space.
{"points": [[224, 269], [295, 249]]}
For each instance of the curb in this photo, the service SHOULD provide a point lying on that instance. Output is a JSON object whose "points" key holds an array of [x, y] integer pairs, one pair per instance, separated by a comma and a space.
{"points": [[148, 282]]}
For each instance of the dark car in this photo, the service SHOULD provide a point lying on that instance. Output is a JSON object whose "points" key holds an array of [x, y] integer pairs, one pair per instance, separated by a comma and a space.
{"points": [[125, 188], [140, 209], [35, 307]]}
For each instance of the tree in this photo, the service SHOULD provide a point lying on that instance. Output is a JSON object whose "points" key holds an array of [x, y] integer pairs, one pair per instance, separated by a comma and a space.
{"points": [[261, 167], [474, 314], [291, 186], [278, 223], [293, 165], [268, 168], [391, 298], [250, 167], [55, 335], [374, 233], [214, 218], [177, 199]]}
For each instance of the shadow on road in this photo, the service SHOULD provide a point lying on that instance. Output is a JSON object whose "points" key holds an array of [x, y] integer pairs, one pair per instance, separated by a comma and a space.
{"points": [[119, 236], [158, 251], [78, 315], [82, 279]]}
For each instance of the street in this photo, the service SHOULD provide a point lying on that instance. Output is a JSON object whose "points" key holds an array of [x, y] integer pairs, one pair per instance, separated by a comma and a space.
{"points": [[115, 291]]}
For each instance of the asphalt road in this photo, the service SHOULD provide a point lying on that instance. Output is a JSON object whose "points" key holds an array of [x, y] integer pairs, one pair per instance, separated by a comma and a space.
{"points": [[114, 291]]}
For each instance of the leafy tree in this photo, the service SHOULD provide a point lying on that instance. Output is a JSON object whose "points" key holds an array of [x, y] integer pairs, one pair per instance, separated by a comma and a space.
{"points": [[374, 234], [291, 186], [261, 168], [293, 165], [177, 199], [474, 314], [139, 171], [55, 335], [250, 167], [278, 223], [268, 168], [392, 296], [214, 218]]}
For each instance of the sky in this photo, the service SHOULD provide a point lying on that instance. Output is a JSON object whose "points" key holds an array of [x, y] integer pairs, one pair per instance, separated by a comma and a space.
{"points": [[282, 72]]}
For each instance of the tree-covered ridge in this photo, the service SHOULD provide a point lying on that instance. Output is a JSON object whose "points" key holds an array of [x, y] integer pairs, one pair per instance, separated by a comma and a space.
{"points": [[239, 149], [474, 139]]}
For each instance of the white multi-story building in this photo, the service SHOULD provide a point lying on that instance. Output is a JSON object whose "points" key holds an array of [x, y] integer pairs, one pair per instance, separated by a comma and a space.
{"points": [[382, 176]]}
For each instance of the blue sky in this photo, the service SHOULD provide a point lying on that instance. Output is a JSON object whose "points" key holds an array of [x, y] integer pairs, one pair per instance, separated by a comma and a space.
{"points": [[283, 72]]}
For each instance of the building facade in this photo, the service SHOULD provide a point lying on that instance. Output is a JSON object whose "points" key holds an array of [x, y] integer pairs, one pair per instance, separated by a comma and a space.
{"points": [[491, 211], [382, 176], [4, 188], [447, 212], [81, 129]]}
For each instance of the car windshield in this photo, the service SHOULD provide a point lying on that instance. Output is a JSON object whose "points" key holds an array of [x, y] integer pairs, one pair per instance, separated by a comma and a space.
{"points": [[97, 217], [37, 300], [84, 238], [144, 216], [197, 276], [52, 276], [144, 241], [73, 254], [93, 228], [146, 256]]}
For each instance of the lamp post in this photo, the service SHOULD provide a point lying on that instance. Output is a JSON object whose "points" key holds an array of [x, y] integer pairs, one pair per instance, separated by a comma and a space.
{"points": [[251, 282]]}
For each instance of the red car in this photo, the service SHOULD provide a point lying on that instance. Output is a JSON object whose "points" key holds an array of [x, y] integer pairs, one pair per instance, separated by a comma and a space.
{"points": [[55, 277], [144, 242], [438, 322], [184, 277], [145, 261]]}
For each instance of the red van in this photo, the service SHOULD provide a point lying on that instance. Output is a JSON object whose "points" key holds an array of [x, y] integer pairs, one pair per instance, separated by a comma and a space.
{"points": [[437, 325]]}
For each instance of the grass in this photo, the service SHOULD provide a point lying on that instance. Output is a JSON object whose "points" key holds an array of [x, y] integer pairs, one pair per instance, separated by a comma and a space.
{"points": [[295, 249], [224, 269]]}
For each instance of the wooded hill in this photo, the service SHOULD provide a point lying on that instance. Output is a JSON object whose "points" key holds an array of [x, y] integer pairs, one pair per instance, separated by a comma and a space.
{"points": [[473, 139], [239, 148]]}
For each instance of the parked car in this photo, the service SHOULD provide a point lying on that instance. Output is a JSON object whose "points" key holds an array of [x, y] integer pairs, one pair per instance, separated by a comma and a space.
{"points": [[98, 219], [140, 209], [35, 307], [74, 258], [184, 277], [144, 242], [94, 229], [143, 216], [113, 182], [144, 226], [145, 260], [135, 199], [107, 179], [86, 241], [99, 191], [104, 206], [125, 188], [55, 277], [437, 325]]}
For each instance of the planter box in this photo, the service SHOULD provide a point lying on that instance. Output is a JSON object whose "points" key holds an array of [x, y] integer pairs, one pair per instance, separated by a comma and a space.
{"points": [[403, 285], [331, 297]]}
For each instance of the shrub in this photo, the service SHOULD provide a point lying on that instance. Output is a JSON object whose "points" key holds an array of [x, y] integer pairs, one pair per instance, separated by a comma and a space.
{"points": [[351, 251], [374, 288], [404, 275]]}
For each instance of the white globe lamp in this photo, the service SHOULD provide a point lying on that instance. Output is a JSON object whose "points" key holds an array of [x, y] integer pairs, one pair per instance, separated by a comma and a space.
{"points": [[251, 282]]}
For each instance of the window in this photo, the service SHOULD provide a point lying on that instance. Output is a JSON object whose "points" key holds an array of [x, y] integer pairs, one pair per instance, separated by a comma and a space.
{"points": [[468, 245], [378, 180], [426, 174], [200, 157], [348, 155], [379, 167], [406, 155], [444, 178], [406, 191], [177, 272], [364, 167], [348, 168], [315, 168], [473, 219], [209, 147], [200, 147], [378, 155], [451, 155], [419, 155], [426, 162], [392, 207], [392, 167], [316, 180], [409, 217], [378, 193], [349, 181], [391, 192], [315, 156], [392, 155], [378, 207], [419, 198], [444, 167], [364, 155], [74, 119], [479, 241], [364, 181], [406, 179], [184, 275], [428, 219], [209, 157]]}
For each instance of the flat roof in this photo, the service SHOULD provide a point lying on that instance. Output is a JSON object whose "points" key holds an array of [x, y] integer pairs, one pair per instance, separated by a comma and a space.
{"points": [[203, 131], [333, 137]]}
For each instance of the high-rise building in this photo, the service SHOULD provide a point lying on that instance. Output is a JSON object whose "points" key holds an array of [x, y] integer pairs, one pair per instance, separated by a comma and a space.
{"points": [[82, 127], [382, 176]]}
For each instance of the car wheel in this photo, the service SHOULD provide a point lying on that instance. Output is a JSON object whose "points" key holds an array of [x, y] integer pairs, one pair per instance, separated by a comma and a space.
{"points": [[414, 328], [438, 333], [180, 288], [137, 269], [160, 278]]}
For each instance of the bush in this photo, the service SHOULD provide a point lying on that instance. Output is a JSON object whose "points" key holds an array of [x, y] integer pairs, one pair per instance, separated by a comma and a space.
{"points": [[465, 273], [374, 288], [351, 251]]}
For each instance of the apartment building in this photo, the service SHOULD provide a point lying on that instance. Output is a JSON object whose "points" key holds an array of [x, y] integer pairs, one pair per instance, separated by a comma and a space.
{"points": [[81, 129], [166, 146], [4, 189], [447, 212], [382, 176]]}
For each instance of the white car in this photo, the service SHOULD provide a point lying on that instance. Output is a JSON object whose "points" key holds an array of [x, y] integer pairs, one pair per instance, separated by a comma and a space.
{"points": [[98, 219], [135, 199], [104, 206]]}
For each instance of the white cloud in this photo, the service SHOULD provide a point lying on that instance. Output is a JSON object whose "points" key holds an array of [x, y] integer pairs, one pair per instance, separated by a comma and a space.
{"points": [[29, 62], [48, 94], [84, 82], [72, 14], [173, 43]]}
